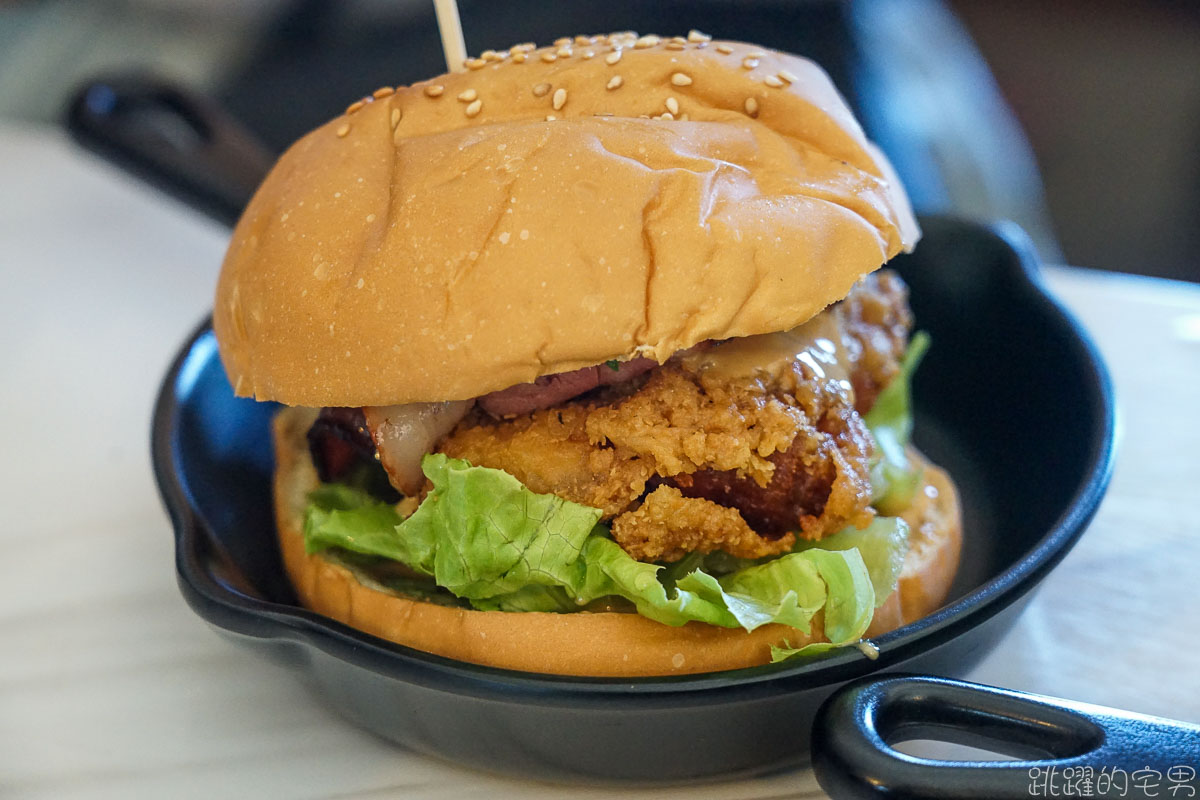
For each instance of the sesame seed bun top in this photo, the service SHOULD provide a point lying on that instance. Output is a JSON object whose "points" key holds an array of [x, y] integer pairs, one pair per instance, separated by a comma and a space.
{"points": [[547, 210]]}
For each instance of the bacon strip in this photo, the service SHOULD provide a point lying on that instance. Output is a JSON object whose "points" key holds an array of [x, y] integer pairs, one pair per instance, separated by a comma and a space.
{"points": [[338, 440], [550, 390]]}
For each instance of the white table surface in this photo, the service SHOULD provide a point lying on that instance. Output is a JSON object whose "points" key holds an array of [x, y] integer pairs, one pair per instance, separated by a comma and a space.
{"points": [[111, 687]]}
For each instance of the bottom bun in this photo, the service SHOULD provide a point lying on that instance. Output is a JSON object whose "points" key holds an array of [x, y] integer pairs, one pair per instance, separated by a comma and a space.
{"points": [[597, 644]]}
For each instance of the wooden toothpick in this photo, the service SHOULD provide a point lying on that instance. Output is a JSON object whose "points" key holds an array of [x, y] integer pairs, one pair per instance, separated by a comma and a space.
{"points": [[450, 27]]}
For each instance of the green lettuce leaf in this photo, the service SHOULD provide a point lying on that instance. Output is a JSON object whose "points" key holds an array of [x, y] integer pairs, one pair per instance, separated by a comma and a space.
{"points": [[883, 545], [893, 478], [485, 537], [814, 649], [350, 518], [482, 534]]}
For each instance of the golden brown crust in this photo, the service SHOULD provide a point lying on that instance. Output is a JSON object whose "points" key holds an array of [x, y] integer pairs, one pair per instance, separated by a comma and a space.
{"points": [[682, 423], [549, 452], [455, 249], [667, 526], [793, 456], [593, 644]]}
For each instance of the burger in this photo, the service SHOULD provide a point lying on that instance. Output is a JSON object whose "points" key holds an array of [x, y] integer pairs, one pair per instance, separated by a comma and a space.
{"points": [[587, 367]]}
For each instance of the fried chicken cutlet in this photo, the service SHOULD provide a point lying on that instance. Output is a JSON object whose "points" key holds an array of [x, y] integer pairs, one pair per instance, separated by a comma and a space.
{"points": [[739, 447]]}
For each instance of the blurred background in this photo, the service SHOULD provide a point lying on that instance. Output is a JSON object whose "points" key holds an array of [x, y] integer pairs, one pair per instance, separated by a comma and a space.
{"points": [[1079, 119]]}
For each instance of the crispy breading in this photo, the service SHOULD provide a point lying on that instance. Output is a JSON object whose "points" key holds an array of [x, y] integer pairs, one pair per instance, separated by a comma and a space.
{"points": [[549, 452], [787, 462], [875, 320], [821, 483], [667, 526], [682, 426]]}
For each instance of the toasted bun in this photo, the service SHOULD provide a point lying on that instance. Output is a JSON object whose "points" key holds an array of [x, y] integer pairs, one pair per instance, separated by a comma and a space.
{"points": [[450, 238], [604, 644]]}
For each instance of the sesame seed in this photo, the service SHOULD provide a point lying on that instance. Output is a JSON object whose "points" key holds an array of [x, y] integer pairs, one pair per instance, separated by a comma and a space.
{"points": [[382, 91], [550, 118], [582, 40], [724, 48], [488, 55], [396, 114], [648, 40], [614, 82], [541, 90], [773, 81], [342, 131], [672, 105], [474, 108], [503, 237], [681, 79], [589, 54], [756, 54], [675, 45], [468, 95], [666, 115], [434, 90], [563, 52], [749, 63], [560, 99], [788, 76], [474, 63], [677, 40], [549, 57], [613, 57], [751, 106], [562, 41], [696, 36], [519, 58]]}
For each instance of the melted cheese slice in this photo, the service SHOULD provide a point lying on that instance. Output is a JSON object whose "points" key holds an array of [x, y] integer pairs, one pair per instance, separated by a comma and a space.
{"points": [[817, 344]]}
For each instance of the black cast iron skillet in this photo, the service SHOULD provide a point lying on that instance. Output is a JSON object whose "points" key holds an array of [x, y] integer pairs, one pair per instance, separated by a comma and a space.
{"points": [[1012, 399]]}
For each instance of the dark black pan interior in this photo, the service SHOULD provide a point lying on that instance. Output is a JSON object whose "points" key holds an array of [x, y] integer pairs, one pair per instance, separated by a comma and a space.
{"points": [[1012, 399]]}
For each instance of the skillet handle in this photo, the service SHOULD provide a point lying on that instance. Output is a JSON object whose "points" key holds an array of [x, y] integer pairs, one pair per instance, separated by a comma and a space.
{"points": [[1067, 749], [176, 140]]}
